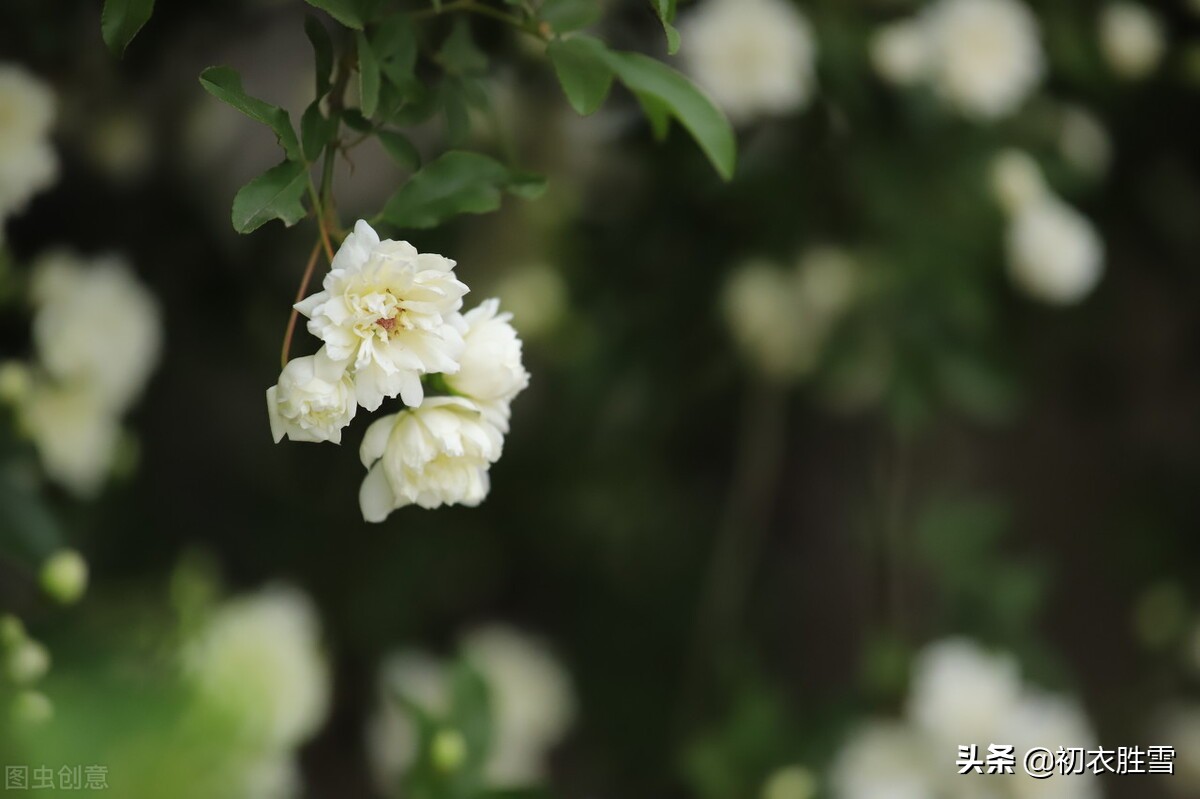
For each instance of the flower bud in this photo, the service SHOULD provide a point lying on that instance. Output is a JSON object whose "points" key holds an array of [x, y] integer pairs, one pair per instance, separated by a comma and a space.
{"points": [[448, 750], [65, 576]]}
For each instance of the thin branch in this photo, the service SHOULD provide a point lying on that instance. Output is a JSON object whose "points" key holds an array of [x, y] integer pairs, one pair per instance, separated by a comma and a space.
{"points": [[304, 281]]}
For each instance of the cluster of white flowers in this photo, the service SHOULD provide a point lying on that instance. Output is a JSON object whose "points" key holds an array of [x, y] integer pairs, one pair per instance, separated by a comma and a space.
{"points": [[961, 695], [983, 57], [781, 318], [390, 318], [532, 705], [1054, 253], [754, 57], [28, 163], [97, 336], [257, 669], [1131, 39]]}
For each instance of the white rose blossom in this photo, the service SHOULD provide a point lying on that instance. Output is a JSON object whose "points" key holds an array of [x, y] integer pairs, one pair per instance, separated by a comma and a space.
{"points": [[532, 705], [983, 57], [28, 163], [258, 662], [436, 454], [1131, 39], [387, 309], [313, 401], [95, 325], [962, 694], [490, 373], [988, 54], [74, 432], [1054, 253], [1016, 180], [754, 57], [900, 52]]}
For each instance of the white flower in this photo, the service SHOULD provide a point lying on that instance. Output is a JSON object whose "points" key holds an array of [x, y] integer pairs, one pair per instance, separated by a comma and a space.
{"points": [[1054, 252], [258, 663], [959, 692], [276, 776], [75, 434], [1050, 721], [1016, 180], [883, 760], [95, 325], [1083, 141], [532, 702], [781, 319], [490, 369], [755, 57], [532, 705], [386, 308], [28, 163], [392, 741], [900, 52], [986, 54], [1131, 39], [313, 401], [436, 454]]}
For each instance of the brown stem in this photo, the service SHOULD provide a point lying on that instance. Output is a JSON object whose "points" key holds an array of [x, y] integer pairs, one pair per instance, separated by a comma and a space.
{"points": [[291, 325]]}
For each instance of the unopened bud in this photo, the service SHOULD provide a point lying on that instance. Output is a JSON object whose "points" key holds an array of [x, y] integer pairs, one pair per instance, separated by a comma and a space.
{"points": [[65, 576], [448, 750]]}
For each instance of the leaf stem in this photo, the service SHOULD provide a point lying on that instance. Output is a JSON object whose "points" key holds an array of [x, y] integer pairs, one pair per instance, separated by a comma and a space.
{"points": [[291, 325]]}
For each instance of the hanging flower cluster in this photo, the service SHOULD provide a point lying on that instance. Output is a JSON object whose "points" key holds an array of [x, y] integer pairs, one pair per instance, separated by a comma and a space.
{"points": [[391, 325]]}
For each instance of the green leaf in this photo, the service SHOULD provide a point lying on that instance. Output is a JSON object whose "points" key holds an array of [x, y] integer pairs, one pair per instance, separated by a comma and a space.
{"points": [[456, 183], [368, 74], [121, 20], [400, 149], [275, 194], [226, 85], [315, 131], [665, 9], [583, 72], [395, 44], [351, 13], [648, 78], [564, 16], [526, 185], [322, 52], [459, 54]]}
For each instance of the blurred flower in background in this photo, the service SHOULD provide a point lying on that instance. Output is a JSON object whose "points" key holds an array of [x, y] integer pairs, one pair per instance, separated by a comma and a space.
{"points": [[1131, 39], [28, 163], [755, 57]]}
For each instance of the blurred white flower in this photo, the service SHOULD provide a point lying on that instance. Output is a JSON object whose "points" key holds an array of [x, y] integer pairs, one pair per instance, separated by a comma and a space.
{"points": [[96, 325], [781, 319], [386, 308], [1083, 141], [1054, 252], [791, 782], [313, 401], [1050, 721], [27, 662], [760, 310], [16, 381], [1016, 180], [536, 296], [754, 57], [963, 695], [490, 368], [883, 760], [276, 776], [986, 55], [392, 741], [74, 432], [122, 144], [901, 52], [960, 692], [532, 702], [1131, 39], [258, 663], [28, 163], [436, 454]]}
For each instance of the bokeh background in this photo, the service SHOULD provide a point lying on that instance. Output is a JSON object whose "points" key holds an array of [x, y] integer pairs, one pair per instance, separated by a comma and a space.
{"points": [[735, 564]]}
